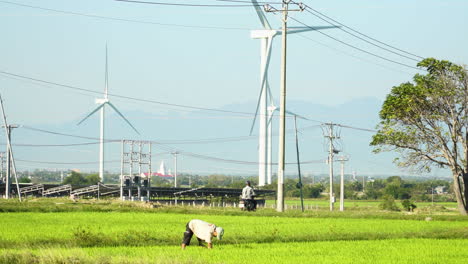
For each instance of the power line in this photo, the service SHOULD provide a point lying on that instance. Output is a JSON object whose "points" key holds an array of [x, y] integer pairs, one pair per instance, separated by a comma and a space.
{"points": [[184, 141], [357, 128], [55, 145], [243, 162], [60, 134], [169, 149], [121, 19], [23, 77], [365, 40], [66, 163], [121, 96], [351, 55], [354, 47], [184, 4], [311, 10]]}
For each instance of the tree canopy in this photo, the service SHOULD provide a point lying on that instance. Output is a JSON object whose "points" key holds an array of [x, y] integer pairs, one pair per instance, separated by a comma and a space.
{"points": [[76, 178], [426, 121]]}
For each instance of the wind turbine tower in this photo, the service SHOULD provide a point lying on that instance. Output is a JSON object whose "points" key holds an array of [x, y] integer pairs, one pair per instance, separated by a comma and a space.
{"points": [[265, 105], [101, 106]]}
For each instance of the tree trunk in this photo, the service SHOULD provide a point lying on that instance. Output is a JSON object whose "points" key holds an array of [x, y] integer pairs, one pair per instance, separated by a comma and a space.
{"points": [[460, 187]]}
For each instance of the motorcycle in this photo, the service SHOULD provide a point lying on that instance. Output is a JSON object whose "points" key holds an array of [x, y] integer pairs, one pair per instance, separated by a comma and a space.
{"points": [[248, 205]]}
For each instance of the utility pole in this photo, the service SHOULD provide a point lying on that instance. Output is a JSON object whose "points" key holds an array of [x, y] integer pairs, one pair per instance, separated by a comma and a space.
{"points": [[331, 153], [8, 165], [282, 124], [10, 159], [9, 128], [2, 166], [299, 184], [342, 160], [175, 167]]}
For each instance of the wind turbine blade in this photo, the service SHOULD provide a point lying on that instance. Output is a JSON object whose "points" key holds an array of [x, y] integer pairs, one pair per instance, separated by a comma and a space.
{"points": [[90, 114], [270, 119], [270, 96], [264, 81], [261, 15], [106, 89], [120, 114], [293, 30], [256, 112]]}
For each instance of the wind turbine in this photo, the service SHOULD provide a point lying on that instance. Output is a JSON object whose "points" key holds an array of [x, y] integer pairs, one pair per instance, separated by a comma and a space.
{"points": [[266, 36], [101, 104]]}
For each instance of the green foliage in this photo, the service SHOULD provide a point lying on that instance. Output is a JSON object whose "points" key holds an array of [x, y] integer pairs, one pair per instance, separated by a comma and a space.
{"points": [[408, 205], [354, 185], [92, 179], [388, 204], [24, 180], [75, 178], [426, 122], [372, 193], [313, 190]]}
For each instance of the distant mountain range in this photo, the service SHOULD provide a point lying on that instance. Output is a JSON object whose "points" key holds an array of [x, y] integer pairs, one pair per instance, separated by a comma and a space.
{"points": [[210, 142]]}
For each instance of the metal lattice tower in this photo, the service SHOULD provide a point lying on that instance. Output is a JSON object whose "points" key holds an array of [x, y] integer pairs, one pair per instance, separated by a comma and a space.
{"points": [[135, 167]]}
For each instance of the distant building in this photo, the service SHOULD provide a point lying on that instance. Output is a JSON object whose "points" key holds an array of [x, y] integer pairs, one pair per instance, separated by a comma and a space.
{"points": [[162, 168], [440, 190], [160, 173]]}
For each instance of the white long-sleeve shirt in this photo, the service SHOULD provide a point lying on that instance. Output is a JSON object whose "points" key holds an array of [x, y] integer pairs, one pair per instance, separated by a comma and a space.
{"points": [[248, 192], [202, 229]]}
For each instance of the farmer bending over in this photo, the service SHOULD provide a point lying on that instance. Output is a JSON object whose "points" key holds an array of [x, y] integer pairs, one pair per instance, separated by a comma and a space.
{"points": [[203, 231]]}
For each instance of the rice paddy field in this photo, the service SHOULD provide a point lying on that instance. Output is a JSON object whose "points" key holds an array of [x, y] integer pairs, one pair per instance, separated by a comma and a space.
{"points": [[60, 231]]}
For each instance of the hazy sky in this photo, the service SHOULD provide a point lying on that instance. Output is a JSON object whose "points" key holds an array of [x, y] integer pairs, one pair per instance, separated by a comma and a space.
{"points": [[204, 56]]}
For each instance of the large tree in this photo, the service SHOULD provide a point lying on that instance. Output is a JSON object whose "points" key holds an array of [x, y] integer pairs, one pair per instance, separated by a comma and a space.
{"points": [[426, 121]]}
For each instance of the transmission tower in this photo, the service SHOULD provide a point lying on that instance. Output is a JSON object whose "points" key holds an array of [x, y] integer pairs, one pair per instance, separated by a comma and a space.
{"points": [[135, 167]]}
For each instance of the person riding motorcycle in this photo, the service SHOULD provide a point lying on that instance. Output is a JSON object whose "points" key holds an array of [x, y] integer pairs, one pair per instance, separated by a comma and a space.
{"points": [[248, 195]]}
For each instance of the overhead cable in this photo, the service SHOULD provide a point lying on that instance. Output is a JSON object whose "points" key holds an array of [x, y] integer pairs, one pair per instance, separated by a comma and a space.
{"points": [[335, 22], [183, 141], [66, 163], [19, 76], [121, 96], [184, 4], [357, 128], [170, 149], [55, 145], [357, 48], [121, 19]]}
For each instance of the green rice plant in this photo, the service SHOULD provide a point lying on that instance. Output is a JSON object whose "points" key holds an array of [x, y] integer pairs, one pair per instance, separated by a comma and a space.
{"points": [[98, 229], [406, 251]]}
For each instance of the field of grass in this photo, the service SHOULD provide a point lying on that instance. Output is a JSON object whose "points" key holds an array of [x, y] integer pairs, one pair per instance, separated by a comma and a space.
{"points": [[319, 204], [58, 231]]}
